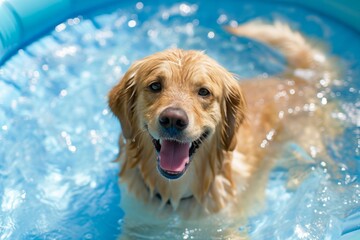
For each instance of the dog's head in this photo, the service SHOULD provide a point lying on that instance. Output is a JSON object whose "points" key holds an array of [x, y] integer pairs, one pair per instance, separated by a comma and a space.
{"points": [[181, 99]]}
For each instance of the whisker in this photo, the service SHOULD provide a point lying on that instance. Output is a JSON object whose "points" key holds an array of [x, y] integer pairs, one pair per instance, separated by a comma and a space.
{"points": [[138, 133]]}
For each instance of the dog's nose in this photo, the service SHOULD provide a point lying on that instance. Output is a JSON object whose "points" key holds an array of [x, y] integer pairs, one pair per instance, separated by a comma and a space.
{"points": [[174, 118]]}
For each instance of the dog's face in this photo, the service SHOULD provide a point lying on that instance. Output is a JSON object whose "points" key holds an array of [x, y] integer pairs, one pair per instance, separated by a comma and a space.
{"points": [[181, 99]]}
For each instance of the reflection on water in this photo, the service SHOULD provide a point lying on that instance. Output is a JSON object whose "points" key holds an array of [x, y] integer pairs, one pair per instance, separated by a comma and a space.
{"points": [[58, 139]]}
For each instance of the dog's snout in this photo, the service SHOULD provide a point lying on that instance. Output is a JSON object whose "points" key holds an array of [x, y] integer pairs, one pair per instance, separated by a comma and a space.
{"points": [[174, 118]]}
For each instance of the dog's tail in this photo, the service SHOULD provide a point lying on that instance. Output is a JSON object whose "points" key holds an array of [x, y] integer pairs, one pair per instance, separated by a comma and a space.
{"points": [[298, 51]]}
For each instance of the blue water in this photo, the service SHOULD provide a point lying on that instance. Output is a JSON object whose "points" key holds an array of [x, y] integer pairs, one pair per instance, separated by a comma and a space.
{"points": [[58, 138]]}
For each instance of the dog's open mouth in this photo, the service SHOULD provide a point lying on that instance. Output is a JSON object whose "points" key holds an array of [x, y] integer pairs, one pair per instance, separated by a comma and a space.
{"points": [[174, 156]]}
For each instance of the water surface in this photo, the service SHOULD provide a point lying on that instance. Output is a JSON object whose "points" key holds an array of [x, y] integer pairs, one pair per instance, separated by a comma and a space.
{"points": [[58, 138]]}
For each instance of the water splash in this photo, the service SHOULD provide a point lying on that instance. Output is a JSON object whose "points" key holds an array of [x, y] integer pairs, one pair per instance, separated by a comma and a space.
{"points": [[58, 139]]}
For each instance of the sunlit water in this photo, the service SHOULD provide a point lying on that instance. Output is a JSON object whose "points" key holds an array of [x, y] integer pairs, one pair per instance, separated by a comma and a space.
{"points": [[58, 138]]}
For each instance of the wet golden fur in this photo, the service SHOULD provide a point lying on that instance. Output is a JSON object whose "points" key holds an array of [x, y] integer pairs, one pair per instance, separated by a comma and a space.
{"points": [[247, 121]]}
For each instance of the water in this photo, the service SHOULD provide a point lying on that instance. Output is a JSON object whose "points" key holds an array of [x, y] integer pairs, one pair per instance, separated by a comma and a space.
{"points": [[58, 138]]}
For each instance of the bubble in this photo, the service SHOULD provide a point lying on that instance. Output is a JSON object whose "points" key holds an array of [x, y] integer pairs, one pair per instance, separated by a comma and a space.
{"points": [[132, 23], [139, 5], [211, 34], [222, 19], [233, 23], [61, 27], [63, 93], [185, 9], [72, 148], [324, 101]]}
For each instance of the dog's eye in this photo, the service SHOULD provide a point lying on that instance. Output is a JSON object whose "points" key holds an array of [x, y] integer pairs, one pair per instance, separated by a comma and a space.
{"points": [[155, 87], [203, 92]]}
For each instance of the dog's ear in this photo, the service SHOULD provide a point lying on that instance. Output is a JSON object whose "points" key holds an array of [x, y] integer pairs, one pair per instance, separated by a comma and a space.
{"points": [[122, 100], [234, 107]]}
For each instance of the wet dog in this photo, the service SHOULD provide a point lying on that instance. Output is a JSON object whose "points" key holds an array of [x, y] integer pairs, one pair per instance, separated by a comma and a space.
{"points": [[196, 141]]}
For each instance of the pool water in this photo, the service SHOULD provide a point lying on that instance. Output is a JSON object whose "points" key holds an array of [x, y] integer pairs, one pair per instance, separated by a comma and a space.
{"points": [[59, 139]]}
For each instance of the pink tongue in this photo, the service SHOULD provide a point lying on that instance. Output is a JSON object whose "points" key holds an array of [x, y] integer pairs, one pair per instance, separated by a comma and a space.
{"points": [[174, 155]]}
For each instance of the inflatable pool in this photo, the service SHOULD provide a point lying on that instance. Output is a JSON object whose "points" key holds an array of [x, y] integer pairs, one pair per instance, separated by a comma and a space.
{"points": [[58, 60], [24, 21]]}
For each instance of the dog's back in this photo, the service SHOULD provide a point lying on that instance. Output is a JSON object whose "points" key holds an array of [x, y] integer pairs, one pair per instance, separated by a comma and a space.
{"points": [[292, 108]]}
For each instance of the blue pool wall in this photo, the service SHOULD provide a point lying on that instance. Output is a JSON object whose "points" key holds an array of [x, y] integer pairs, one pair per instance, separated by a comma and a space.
{"points": [[23, 21]]}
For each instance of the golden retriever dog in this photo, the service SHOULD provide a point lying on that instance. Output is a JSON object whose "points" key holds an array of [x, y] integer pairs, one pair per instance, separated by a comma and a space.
{"points": [[197, 142]]}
